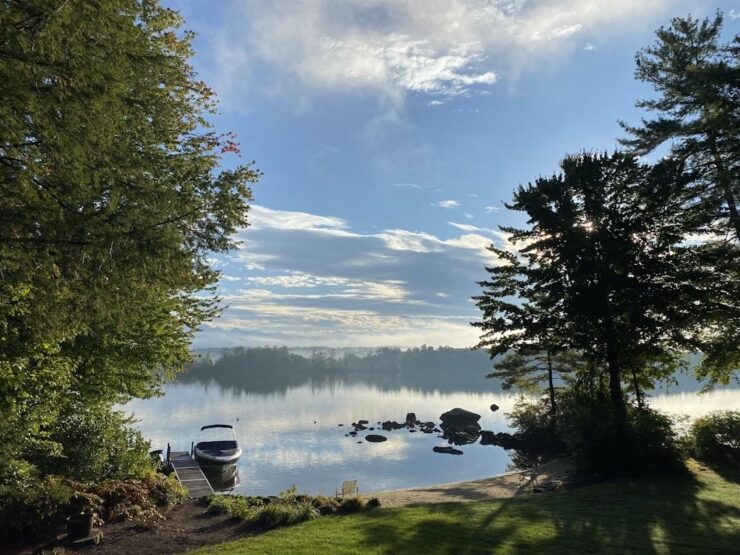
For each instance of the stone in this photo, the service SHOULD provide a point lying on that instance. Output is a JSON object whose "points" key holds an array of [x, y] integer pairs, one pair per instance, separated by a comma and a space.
{"points": [[447, 450], [487, 437], [387, 425], [459, 417], [494, 407], [340, 425], [362, 422], [375, 438], [410, 418]]}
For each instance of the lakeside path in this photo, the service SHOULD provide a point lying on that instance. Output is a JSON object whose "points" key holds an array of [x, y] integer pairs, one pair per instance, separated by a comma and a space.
{"points": [[485, 489]]}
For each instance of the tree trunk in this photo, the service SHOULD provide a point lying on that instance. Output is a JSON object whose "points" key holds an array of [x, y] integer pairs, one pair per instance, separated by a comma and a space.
{"points": [[615, 383], [724, 182], [551, 386], [636, 385]]}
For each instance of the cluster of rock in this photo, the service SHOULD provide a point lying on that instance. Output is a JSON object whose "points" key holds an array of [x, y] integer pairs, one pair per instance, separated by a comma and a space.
{"points": [[458, 427]]}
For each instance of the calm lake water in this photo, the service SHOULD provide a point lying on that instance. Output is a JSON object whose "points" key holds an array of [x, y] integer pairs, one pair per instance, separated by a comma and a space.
{"points": [[291, 437]]}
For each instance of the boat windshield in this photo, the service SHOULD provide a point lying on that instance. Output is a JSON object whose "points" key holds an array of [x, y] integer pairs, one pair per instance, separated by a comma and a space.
{"points": [[219, 433]]}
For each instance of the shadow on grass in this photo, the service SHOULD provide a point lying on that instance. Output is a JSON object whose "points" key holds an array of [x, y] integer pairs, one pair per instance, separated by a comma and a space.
{"points": [[666, 515]]}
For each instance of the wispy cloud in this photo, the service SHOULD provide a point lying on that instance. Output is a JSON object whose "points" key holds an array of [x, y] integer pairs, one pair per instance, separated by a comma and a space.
{"points": [[309, 279], [491, 209], [447, 204], [438, 48]]}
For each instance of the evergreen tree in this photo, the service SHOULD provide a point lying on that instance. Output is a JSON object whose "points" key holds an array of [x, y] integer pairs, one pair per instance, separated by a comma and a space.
{"points": [[598, 270], [698, 112]]}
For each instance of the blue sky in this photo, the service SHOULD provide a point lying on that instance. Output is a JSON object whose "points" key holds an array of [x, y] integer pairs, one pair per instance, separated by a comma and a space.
{"points": [[390, 133]]}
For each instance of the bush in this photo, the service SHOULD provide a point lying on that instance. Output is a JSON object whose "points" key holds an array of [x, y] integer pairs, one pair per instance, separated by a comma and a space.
{"points": [[588, 430], [96, 444], [350, 505], [716, 437], [288, 508], [45, 502]]}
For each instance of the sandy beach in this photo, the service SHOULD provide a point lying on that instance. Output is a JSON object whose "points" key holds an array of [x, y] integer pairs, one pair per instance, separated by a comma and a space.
{"points": [[496, 487]]}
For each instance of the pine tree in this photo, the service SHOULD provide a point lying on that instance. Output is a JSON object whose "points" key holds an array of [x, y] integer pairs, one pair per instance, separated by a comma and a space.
{"points": [[698, 112]]}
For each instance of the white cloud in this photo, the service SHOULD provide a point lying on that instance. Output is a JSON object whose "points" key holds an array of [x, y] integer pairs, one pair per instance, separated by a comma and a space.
{"points": [[465, 227], [491, 209], [409, 186], [309, 279], [261, 217], [447, 204], [437, 48], [590, 47]]}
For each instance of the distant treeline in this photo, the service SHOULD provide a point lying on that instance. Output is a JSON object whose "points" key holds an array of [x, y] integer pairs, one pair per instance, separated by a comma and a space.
{"points": [[270, 369], [276, 369]]}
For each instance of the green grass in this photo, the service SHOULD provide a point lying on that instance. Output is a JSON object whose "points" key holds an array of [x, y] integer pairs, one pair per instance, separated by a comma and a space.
{"points": [[699, 513]]}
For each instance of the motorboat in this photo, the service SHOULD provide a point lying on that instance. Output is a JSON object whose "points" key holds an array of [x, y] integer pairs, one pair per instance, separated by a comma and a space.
{"points": [[217, 446]]}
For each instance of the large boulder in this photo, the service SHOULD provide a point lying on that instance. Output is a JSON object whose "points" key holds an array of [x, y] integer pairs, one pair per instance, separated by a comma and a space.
{"points": [[494, 407], [487, 437], [410, 418], [459, 417]]}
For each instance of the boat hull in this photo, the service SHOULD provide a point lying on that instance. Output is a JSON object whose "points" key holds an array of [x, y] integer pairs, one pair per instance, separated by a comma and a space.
{"points": [[210, 457]]}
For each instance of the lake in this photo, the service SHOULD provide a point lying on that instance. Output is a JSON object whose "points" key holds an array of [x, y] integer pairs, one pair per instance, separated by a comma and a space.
{"points": [[291, 436]]}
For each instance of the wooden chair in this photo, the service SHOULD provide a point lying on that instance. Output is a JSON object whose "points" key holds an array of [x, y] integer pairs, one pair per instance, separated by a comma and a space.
{"points": [[349, 487]]}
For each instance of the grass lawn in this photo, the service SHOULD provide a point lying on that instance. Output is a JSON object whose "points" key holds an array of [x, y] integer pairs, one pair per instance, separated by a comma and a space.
{"points": [[695, 514]]}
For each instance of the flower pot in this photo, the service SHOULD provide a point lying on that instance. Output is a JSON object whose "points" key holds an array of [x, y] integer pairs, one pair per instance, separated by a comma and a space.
{"points": [[79, 526]]}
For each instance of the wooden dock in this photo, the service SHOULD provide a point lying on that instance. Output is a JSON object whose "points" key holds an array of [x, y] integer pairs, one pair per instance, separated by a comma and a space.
{"points": [[190, 474]]}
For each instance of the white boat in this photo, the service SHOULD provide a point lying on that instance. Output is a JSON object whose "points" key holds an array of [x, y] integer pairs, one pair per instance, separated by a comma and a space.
{"points": [[217, 446]]}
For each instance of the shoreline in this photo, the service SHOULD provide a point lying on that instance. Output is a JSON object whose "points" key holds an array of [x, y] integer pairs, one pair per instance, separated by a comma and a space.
{"points": [[501, 486]]}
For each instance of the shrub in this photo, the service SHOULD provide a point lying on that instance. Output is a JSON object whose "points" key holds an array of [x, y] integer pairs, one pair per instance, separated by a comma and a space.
{"points": [[588, 430], [97, 444], [716, 437], [350, 505], [373, 503]]}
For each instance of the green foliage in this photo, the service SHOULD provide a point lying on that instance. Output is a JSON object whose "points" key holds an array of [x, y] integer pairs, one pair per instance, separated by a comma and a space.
{"points": [[595, 438], [98, 444], [286, 509], [697, 109], [47, 500], [112, 197], [716, 437], [600, 270]]}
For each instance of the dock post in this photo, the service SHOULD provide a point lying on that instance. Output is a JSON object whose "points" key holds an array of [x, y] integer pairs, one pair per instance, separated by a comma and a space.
{"points": [[168, 451]]}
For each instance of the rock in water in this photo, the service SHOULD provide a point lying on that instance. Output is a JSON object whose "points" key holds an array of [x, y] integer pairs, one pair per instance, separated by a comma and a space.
{"points": [[459, 417], [487, 437], [447, 450], [494, 407], [375, 438], [410, 418]]}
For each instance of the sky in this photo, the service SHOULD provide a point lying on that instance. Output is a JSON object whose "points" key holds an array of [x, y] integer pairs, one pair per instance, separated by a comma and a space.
{"points": [[390, 134]]}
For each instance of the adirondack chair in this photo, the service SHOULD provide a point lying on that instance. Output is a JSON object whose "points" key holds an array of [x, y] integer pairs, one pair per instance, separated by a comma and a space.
{"points": [[349, 487]]}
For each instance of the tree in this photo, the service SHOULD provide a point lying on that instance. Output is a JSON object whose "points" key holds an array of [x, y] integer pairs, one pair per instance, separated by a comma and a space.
{"points": [[526, 369], [698, 111], [697, 79], [112, 198], [599, 269]]}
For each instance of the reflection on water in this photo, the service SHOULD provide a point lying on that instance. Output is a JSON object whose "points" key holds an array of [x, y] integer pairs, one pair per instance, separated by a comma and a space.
{"points": [[293, 437]]}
